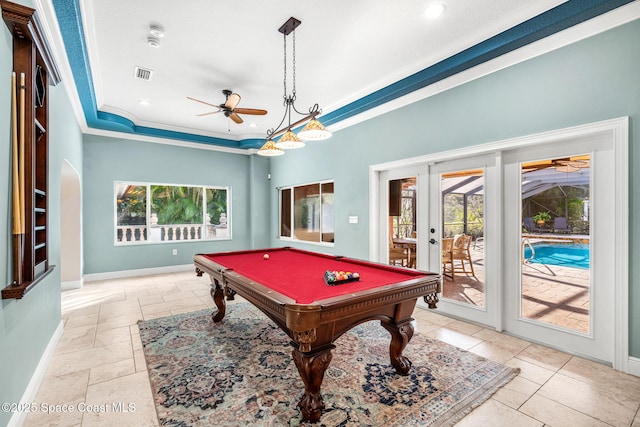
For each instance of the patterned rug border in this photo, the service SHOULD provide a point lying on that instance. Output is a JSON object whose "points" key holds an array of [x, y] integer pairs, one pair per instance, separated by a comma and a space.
{"points": [[476, 399], [452, 416]]}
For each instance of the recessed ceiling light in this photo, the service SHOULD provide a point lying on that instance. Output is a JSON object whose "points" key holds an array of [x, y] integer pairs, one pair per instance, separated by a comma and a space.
{"points": [[144, 102], [434, 10], [252, 125]]}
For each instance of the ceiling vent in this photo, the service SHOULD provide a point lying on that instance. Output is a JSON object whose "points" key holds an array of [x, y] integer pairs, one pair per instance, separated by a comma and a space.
{"points": [[143, 73]]}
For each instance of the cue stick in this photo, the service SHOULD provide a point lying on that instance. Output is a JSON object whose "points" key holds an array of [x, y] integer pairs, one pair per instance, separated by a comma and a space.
{"points": [[22, 171], [17, 218], [18, 207]]}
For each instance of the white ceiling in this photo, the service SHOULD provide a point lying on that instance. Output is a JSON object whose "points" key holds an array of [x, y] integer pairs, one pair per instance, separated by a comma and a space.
{"points": [[344, 50]]}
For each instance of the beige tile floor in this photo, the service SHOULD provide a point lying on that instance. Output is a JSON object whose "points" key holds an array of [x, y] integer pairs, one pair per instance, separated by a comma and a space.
{"points": [[98, 368]]}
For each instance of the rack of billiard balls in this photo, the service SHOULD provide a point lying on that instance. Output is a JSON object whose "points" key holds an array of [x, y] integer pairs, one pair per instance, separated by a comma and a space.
{"points": [[333, 277]]}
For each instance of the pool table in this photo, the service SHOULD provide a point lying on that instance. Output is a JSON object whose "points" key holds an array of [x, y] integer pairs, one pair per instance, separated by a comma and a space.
{"points": [[288, 286]]}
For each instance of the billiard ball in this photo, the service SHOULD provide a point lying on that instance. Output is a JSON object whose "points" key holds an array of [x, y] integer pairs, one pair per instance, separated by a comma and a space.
{"points": [[265, 256]]}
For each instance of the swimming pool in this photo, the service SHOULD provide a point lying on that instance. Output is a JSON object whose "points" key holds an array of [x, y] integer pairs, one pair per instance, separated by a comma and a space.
{"points": [[573, 255]]}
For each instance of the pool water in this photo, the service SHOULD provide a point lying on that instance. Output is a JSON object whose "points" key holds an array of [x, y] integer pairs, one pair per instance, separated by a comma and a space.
{"points": [[564, 255]]}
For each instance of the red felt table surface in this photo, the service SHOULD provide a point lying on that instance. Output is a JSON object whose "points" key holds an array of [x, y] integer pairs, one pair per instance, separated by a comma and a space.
{"points": [[300, 274]]}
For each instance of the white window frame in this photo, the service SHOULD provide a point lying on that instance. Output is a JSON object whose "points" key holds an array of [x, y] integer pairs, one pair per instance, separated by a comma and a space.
{"points": [[227, 235], [291, 207]]}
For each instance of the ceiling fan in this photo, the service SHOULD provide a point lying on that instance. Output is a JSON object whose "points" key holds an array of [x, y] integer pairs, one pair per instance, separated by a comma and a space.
{"points": [[229, 107], [567, 164]]}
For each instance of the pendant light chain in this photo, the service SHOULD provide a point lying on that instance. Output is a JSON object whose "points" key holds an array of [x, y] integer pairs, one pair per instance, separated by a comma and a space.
{"points": [[293, 94], [284, 96]]}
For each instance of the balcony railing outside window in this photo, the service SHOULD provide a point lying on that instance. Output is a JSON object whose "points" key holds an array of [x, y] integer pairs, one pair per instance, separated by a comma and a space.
{"points": [[150, 213]]}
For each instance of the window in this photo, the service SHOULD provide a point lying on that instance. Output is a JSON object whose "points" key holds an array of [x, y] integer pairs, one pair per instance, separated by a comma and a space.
{"points": [[402, 195], [306, 212], [150, 213]]}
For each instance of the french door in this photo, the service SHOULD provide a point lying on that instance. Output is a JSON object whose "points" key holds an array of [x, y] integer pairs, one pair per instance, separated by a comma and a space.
{"points": [[402, 226], [530, 235], [560, 244], [463, 222]]}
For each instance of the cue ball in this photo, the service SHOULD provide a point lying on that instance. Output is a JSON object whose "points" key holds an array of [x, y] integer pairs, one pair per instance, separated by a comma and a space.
{"points": [[265, 256]]}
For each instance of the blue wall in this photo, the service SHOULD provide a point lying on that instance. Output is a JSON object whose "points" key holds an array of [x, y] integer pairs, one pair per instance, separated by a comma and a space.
{"points": [[592, 80], [27, 325], [107, 160]]}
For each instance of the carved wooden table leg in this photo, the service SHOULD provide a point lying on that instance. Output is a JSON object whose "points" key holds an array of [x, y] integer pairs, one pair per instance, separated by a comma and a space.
{"points": [[401, 334], [312, 367], [217, 293]]}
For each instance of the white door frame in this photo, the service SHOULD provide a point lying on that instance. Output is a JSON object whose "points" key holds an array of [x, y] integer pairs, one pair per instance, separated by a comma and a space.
{"points": [[618, 131]]}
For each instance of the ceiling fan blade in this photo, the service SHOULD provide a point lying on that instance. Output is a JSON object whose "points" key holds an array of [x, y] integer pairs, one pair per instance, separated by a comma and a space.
{"points": [[205, 103], [252, 111], [236, 118], [207, 114], [232, 101]]}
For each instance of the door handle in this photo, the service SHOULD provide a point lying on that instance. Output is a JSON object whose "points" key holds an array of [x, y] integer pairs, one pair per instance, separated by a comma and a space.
{"points": [[433, 242]]}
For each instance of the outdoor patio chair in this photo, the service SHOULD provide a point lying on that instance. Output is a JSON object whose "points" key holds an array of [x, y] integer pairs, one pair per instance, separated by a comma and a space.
{"points": [[560, 225], [529, 225], [478, 243], [461, 255], [397, 254], [447, 258]]}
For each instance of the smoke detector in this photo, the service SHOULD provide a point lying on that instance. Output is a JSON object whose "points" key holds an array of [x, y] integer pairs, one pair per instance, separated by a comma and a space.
{"points": [[156, 30], [153, 42]]}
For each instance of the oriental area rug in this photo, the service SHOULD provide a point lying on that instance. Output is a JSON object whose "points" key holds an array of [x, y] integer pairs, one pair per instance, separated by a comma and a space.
{"points": [[240, 372]]}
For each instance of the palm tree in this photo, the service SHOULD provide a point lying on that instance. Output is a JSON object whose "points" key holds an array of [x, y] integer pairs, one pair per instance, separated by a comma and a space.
{"points": [[177, 205], [216, 203], [132, 206]]}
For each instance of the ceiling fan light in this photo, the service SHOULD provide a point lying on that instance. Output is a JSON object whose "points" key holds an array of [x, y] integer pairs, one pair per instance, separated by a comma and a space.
{"points": [[269, 149], [289, 141], [314, 131]]}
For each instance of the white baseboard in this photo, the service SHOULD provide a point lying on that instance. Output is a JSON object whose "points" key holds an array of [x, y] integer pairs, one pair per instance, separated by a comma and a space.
{"points": [[31, 391], [633, 366], [71, 284], [139, 272]]}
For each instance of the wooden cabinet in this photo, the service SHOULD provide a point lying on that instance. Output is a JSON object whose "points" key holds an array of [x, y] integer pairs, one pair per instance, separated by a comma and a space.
{"points": [[35, 72]]}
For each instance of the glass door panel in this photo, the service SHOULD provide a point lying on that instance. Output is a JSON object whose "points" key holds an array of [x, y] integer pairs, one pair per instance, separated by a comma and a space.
{"points": [[555, 269], [402, 215], [462, 195]]}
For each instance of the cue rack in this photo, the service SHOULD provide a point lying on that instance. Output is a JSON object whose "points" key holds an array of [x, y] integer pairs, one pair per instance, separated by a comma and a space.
{"points": [[34, 70]]}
